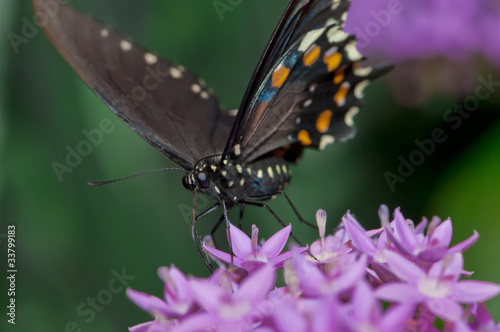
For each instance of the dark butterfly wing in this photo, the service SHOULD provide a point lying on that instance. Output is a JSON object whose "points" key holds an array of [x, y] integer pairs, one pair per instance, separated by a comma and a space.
{"points": [[308, 87], [166, 105]]}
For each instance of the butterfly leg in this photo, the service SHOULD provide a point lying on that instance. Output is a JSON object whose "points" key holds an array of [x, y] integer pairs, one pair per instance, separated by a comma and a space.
{"points": [[226, 211], [195, 236], [302, 220], [258, 204], [242, 209]]}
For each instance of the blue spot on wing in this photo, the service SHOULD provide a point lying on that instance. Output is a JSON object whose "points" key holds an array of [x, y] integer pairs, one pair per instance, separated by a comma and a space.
{"points": [[290, 60]]}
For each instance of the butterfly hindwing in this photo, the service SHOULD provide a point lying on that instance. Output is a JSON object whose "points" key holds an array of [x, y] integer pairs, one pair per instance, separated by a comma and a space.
{"points": [[165, 104]]}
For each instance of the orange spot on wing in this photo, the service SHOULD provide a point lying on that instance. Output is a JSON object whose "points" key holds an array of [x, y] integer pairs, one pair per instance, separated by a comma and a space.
{"points": [[312, 55], [323, 122], [304, 137], [341, 94], [279, 76], [339, 75], [332, 60]]}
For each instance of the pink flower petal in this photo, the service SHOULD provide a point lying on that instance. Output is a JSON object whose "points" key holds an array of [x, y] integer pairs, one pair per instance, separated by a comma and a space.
{"points": [[278, 260], [469, 291], [286, 318], [442, 234], [433, 254], [152, 326], [396, 317], [404, 232], [275, 244], [223, 256], [176, 284], [241, 243], [364, 301], [149, 303], [258, 284], [402, 267], [445, 309], [398, 292], [464, 245], [357, 234], [352, 275], [207, 295]]}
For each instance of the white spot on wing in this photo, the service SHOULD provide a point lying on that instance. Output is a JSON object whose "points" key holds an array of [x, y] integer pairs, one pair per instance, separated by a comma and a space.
{"points": [[213, 167], [335, 35], [150, 59], [196, 88], [233, 112], [242, 182], [359, 89], [260, 174], [336, 4], [325, 140], [352, 52], [204, 95], [125, 45], [217, 189], [175, 72], [239, 168], [348, 118], [331, 21], [237, 149], [363, 71], [308, 103], [278, 169], [310, 38], [343, 17], [104, 33]]}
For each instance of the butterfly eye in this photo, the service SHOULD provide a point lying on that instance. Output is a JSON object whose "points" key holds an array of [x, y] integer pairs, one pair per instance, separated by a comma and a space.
{"points": [[186, 183], [203, 180]]}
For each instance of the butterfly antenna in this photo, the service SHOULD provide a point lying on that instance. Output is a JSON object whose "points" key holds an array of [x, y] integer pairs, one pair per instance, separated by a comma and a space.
{"points": [[101, 183]]}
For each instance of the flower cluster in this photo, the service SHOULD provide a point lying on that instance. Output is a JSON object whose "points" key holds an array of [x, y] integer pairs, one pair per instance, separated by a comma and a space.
{"points": [[404, 29], [400, 277]]}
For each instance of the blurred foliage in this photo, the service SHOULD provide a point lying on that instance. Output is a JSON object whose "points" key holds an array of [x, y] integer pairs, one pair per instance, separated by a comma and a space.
{"points": [[71, 237]]}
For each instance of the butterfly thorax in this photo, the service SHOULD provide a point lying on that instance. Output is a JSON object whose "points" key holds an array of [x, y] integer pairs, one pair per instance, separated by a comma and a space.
{"points": [[233, 181]]}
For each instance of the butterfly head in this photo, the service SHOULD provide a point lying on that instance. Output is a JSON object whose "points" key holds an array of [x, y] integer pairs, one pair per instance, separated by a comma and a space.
{"points": [[196, 179], [203, 177]]}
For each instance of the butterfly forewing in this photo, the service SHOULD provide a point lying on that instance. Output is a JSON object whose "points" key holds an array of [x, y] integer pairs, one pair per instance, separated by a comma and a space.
{"points": [[165, 104], [312, 91]]}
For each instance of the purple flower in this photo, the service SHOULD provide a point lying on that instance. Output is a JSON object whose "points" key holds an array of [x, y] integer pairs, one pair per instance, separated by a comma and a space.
{"points": [[229, 309], [399, 277], [178, 297], [400, 235], [248, 254], [365, 312], [332, 245], [336, 276], [407, 30], [439, 289]]}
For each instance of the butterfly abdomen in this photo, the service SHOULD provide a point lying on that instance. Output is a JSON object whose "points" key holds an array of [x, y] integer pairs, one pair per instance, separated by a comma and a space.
{"points": [[266, 178]]}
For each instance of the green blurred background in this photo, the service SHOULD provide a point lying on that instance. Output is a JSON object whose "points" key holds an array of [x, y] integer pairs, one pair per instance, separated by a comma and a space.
{"points": [[71, 237]]}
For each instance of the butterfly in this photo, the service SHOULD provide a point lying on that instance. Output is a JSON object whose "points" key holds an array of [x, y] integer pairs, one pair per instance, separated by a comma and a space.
{"points": [[304, 93]]}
